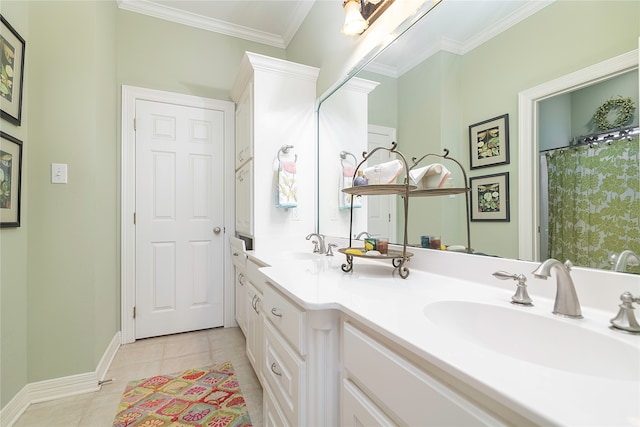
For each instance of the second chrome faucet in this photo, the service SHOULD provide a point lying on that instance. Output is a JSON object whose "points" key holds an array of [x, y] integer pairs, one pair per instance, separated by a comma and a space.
{"points": [[566, 303]]}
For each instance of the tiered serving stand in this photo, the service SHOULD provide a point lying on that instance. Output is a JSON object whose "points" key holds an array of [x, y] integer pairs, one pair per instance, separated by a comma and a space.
{"points": [[398, 258]]}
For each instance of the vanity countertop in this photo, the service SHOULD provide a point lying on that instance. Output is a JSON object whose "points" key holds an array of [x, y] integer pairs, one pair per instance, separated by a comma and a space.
{"points": [[374, 294]]}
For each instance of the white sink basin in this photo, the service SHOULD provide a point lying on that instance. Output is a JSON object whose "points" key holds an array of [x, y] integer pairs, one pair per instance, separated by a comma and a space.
{"points": [[301, 256], [553, 343]]}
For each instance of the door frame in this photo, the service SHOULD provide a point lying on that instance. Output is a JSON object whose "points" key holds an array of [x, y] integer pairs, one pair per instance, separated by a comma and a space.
{"points": [[130, 95]]}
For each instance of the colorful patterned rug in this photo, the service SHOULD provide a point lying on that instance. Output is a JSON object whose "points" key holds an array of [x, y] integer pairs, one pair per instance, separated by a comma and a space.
{"points": [[206, 397]]}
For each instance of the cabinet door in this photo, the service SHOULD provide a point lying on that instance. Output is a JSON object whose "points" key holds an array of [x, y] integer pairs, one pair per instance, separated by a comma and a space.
{"points": [[241, 300], [273, 416], [244, 127], [244, 199], [254, 326]]}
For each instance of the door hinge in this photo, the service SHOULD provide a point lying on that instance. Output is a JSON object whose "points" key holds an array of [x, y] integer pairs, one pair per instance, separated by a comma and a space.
{"points": [[134, 312], [389, 217], [135, 124], [134, 218]]}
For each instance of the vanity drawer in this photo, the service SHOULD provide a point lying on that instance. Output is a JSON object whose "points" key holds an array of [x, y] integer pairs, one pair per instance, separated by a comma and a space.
{"points": [[284, 373], [388, 379], [288, 319], [272, 414]]}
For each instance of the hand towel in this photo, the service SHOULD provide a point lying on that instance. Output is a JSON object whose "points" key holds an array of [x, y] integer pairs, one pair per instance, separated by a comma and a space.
{"points": [[429, 177], [286, 194], [384, 173]]}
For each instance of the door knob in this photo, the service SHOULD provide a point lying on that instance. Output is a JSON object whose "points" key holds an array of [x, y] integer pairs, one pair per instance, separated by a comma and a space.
{"points": [[217, 230]]}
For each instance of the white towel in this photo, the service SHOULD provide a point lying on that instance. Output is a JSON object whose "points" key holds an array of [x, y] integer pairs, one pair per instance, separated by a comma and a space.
{"points": [[387, 172], [430, 176], [286, 194]]}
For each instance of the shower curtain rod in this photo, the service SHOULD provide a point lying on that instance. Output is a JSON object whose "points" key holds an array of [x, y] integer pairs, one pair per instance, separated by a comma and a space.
{"points": [[600, 137]]}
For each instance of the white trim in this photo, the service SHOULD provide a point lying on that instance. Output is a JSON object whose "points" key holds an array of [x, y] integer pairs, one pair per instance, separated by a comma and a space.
{"points": [[15, 408], [58, 388], [168, 13], [108, 356], [528, 240], [130, 94]]}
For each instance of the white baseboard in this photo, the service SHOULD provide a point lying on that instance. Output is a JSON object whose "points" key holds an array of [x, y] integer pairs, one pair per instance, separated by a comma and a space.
{"points": [[58, 388]]}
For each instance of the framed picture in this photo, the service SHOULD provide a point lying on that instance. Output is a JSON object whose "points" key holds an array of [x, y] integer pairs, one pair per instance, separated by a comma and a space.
{"points": [[489, 142], [10, 180], [490, 197], [11, 72]]}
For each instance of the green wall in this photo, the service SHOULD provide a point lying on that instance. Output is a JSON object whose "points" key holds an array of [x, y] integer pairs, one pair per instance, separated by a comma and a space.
{"points": [[13, 252], [71, 229]]}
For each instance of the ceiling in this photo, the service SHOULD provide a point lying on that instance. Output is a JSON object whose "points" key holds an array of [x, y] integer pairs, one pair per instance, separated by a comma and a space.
{"points": [[456, 26]]}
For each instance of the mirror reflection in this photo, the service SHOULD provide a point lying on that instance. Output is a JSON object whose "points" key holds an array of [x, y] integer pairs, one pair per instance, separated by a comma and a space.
{"points": [[463, 63]]}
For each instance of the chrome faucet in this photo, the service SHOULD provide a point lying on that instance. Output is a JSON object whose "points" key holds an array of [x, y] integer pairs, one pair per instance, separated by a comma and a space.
{"points": [[620, 261], [567, 303], [319, 246], [364, 234]]}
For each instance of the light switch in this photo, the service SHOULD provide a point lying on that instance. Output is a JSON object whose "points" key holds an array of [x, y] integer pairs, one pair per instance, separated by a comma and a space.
{"points": [[58, 173]]}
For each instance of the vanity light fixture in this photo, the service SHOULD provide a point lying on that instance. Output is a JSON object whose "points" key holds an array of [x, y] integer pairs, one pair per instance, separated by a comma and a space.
{"points": [[354, 22], [359, 14]]}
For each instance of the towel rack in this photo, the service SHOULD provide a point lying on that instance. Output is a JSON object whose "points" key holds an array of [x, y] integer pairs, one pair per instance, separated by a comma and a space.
{"points": [[285, 150], [343, 156]]}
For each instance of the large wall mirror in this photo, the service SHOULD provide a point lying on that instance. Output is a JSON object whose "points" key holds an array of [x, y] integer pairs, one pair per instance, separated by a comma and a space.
{"points": [[461, 64]]}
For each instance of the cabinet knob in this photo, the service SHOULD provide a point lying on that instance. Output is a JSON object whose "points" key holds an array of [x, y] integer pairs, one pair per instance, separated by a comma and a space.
{"points": [[217, 230]]}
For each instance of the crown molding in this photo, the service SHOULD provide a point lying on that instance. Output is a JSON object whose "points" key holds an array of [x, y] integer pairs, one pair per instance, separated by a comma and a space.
{"points": [[509, 21], [460, 47], [156, 10]]}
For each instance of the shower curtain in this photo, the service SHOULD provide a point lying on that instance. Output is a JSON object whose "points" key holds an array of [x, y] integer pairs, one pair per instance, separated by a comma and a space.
{"points": [[594, 202]]}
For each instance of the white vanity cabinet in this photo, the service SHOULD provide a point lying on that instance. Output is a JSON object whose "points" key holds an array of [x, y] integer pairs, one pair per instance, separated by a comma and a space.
{"points": [[300, 363], [380, 387], [275, 104]]}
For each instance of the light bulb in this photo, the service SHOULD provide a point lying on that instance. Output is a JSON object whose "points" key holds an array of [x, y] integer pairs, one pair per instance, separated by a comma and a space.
{"points": [[354, 23]]}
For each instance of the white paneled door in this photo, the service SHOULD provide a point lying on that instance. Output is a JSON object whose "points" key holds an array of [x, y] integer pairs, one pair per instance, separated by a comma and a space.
{"points": [[381, 210], [179, 218]]}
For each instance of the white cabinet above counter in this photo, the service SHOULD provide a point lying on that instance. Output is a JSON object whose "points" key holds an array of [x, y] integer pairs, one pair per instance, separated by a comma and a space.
{"points": [[484, 375]]}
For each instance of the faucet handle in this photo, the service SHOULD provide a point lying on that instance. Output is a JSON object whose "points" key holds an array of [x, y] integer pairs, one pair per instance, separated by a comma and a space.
{"points": [[330, 247], [521, 297], [625, 320]]}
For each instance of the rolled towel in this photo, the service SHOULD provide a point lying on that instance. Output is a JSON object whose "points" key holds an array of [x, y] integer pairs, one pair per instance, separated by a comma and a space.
{"points": [[386, 172], [430, 176]]}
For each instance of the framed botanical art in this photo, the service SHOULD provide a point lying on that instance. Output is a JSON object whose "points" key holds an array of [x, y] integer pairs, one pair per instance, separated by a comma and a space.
{"points": [[490, 197], [11, 72], [10, 180], [489, 142]]}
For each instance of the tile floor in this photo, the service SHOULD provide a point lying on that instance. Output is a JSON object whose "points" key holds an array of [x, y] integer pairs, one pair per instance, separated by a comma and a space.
{"points": [[146, 358]]}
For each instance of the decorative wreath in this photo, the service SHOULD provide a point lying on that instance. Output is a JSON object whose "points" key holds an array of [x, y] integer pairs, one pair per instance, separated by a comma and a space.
{"points": [[624, 107]]}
